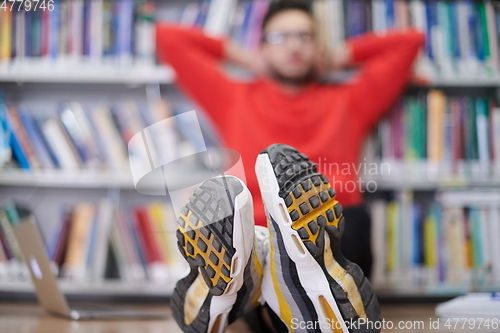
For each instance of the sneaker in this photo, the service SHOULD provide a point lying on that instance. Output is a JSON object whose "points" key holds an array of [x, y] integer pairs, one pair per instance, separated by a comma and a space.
{"points": [[309, 283], [216, 237]]}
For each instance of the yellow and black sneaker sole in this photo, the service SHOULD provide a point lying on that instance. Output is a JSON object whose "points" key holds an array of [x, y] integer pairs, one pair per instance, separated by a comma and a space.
{"points": [[205, 240], [205, 231], [314, 212]]}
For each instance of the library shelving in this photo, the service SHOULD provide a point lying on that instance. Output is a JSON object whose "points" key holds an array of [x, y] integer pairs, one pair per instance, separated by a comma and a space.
{"points": [[85, 179], [138, 75], [110, 288], [460, 59]]}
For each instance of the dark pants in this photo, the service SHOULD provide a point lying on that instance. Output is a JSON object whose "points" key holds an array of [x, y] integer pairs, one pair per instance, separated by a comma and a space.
{"points": [[356, 247], [356, 241]]}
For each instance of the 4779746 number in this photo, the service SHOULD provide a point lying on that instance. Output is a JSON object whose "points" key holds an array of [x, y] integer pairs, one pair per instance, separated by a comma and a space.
{"points": [[27, 5]]}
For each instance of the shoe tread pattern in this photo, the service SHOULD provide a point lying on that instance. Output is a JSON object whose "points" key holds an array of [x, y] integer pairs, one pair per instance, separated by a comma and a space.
{"points": [[205, 231], [313, 210]]}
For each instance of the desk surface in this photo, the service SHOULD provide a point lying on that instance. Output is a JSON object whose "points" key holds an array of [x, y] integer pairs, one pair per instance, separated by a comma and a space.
{"points": [[27, 317]]}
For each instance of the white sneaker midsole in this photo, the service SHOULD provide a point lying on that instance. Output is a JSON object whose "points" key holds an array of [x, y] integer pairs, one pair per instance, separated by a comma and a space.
{"points": [[310, 273]]}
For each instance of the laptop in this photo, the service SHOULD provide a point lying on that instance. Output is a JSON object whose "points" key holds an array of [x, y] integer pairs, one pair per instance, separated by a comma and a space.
{"points": [[48, 293]]}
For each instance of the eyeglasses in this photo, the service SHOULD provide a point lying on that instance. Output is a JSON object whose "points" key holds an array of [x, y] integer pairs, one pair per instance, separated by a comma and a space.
{"points": [[279, 38]]}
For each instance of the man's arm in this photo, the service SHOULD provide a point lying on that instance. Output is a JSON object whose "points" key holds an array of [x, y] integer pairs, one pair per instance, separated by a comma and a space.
{"points": [[386, 67], [196, 59], [244, 58]]}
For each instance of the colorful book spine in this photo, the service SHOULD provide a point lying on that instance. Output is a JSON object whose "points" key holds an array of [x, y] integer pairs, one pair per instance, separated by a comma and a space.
{"points": [[81, 30], [6, 23], [75, 263], [457, 137], [452, 242]]}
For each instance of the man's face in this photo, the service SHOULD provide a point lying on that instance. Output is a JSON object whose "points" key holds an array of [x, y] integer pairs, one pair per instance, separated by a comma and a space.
{"points": [[289, 48]]}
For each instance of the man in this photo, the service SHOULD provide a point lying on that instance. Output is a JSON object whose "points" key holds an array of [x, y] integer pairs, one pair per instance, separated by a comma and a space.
{"points": [[287, 103]]}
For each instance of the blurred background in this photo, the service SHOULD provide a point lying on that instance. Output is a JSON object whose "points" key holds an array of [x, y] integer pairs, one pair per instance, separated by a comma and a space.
{"points": [[79, 78]]}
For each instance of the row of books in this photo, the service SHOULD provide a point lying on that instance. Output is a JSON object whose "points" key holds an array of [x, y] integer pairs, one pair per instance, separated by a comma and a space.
{"points": [[241, 20], [451, 242], [448, 137], [461, 36], [96, 241], [11, 258], [93, 31], [86, 137]]}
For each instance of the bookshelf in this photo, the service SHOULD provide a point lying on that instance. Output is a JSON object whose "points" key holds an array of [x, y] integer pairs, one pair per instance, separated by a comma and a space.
{"points": [[110, 288], [87, 179], [93, 179], [31, 80], [87, 74], [164, 75]]}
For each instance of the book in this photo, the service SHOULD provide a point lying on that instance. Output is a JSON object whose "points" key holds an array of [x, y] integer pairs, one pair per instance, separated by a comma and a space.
{"points": [[103, 225], [160, 230], [60, 239], [494, 246], [136, 266], [34, 138], [158, 270], [3, 263], [6, 18], [492, 35], [378, 242], [202, 13], [448, 242], [9, 238], [20, 133], [38, 126], [86, 136], [145, 46], [132, 227], [15, 268], [319, 10], [74, 266], [109, 137], [147, 233], [124, 31], [483, 135], [74, 132], [495, 139], [18, 151], [436, 102], [220, 14], [432, 136], [393, 248], [5, 149], [119, 248], [189, 14], [62, 148], [76, 32]]}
